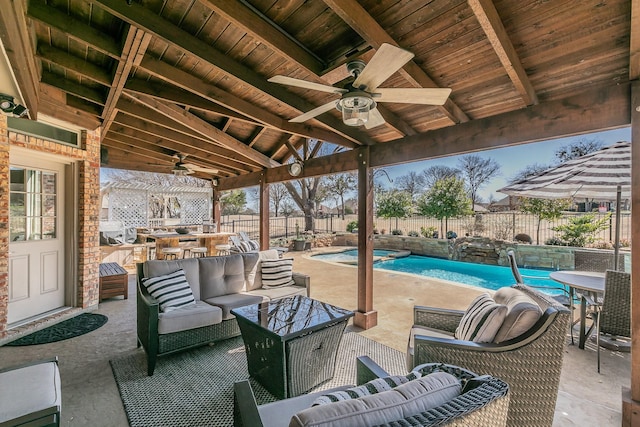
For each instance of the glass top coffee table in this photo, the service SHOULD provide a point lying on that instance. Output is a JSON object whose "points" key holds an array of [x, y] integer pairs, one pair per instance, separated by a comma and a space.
{"points": [[291, 343]]}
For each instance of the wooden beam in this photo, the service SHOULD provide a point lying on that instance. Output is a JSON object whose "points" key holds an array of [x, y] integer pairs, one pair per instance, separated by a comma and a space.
{"points": [[76, 89], [293, 151], [591, 111], [186, 81], [634, 42], [492, 26], [363, 23], [200, 126], [315, 149], [51, 107], [15, 40], [73, 28], [635, 242], [366, 317], [264, 215], [255, 136], [143, 18], [267, 31], [74, 64], [396, 122]]}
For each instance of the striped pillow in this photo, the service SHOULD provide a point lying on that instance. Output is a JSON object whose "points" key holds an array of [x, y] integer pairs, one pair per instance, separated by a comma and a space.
{"points": [[277, 272], [372, 387], [172, 291], [482, 320]]}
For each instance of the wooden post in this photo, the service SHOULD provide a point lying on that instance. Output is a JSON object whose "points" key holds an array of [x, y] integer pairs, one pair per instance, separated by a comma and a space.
{"points": [[631, 401], [264, 215], [365, 317]]}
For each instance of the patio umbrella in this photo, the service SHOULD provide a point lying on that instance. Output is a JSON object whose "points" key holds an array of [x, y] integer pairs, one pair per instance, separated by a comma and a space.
{"points": [[602, 175]]}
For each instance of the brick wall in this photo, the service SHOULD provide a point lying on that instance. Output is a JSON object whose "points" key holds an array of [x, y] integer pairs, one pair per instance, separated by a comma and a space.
{"points": [[88, 161]]}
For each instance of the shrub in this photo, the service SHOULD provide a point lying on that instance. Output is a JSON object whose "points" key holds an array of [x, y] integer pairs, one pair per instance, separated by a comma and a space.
{"points": [[580, 229], [452, 234], [429, 232], [351, 226], [601, 244], [396, 232], [554, 241], [413, 233]]}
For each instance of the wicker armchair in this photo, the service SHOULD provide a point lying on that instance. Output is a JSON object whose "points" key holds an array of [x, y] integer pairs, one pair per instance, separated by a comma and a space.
{"points": [[530, 363], [596, 260], [484, 401]]}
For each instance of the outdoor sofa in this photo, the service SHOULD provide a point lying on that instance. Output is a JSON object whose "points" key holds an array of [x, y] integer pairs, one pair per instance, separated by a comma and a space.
{"points": [[218, 285], [440, 394]]}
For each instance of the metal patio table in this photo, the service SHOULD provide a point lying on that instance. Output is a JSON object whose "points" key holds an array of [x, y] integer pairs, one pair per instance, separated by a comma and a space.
{"points": [[291, 343]]}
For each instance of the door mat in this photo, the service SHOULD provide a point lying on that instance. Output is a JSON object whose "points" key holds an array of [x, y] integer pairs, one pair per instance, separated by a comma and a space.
{"points": [[76, 326]]}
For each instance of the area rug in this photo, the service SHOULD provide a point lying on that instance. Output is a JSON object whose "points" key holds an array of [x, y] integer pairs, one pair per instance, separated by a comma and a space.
{"points": [[76, 326], [195, 388]]}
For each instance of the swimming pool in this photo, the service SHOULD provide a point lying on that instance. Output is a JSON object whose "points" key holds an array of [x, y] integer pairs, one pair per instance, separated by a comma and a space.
{"points": [[481, 275], [351, 255]]}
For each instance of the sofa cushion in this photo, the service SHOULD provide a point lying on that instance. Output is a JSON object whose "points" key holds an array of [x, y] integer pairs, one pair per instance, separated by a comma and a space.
{"points": [[522, 313], [172, 290], [481, 321], [372, 387], [190, 317], [153, 268], [277, 272], [221, 275], [253, 267], [231, 301], [277, 293], [404, 400]]}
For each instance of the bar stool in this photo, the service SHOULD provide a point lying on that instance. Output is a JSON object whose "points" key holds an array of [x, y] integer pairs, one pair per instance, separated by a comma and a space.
{"points": [[199, 252], [151, 251], [171, 253], [223, 250]]}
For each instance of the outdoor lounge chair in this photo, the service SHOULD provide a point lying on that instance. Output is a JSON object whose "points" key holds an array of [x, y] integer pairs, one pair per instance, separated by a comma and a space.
{"points": [[238, 246], [530, 362], [562, 298], [245, 238], [612, 314], [484, 401]]}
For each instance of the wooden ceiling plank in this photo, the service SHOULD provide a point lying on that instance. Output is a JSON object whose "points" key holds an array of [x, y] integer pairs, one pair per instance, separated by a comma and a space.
{"points": [[74, 64], [147, 20], [73, 28], [135, 46], [363, 23], [186, 81], [267, 32], [200, 126], [491, 23], [72, 88], [17, 45], [634, 45]]}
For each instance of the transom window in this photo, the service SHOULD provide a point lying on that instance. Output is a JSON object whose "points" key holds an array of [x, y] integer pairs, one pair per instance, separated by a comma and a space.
{"points": [[33, 210]]}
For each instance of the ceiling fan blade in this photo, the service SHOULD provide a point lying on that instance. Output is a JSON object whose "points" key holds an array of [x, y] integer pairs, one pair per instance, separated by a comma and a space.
{"points": [[315, 112], [290, 81], [375, 119], [387, 60], [428, 96], [197, 168]]}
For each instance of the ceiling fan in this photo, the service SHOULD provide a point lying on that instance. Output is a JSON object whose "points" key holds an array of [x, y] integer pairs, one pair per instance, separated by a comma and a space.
{"points": [[359, 97], [181, 168]]}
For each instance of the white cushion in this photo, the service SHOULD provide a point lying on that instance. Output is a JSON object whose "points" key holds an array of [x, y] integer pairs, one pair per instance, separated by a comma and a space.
{"points": [[171, 291], [277, 272], [372, 387], [522, 313], [481, 321], [189, 317]]}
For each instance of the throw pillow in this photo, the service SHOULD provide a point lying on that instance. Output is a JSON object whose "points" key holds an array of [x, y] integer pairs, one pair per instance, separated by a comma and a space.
{"points": [[172, 290], [522, 313], [254, 245], [482, 320], [245, 247], [372, 387], [277, 272]]}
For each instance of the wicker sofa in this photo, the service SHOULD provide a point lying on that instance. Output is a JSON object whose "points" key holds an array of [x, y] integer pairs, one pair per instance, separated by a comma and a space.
{"points": [[483, 401], [530, 363], [219, 284]]}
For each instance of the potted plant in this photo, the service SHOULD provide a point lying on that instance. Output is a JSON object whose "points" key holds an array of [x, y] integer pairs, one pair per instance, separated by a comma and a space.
{"points": [[299, 241]]}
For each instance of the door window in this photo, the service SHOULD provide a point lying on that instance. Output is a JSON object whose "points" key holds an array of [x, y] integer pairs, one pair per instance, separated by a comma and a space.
{"points": [[33, 198]]}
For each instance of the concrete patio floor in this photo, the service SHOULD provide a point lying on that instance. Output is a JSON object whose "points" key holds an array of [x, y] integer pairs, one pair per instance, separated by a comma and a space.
{"points": [[90, 395]]}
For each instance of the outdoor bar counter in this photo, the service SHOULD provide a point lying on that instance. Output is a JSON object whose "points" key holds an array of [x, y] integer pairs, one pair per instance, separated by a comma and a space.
{"points": [[169, 240]]}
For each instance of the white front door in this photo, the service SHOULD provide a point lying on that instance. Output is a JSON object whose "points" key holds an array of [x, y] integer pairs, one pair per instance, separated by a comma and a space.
{"points": [[36, 230]]}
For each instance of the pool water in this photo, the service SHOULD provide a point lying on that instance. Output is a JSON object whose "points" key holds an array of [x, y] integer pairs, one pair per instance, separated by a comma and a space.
{"points": [[480, 275], [352, 255]]}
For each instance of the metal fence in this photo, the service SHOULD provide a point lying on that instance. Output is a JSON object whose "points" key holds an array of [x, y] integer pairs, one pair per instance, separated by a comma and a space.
{"points": [[498, 225]]}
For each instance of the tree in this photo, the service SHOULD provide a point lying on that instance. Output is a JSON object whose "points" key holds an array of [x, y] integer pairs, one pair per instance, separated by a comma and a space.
{"points": [[340, 185], [434, 174], [544, 209], [527, 171], [411, 183], [446, 199], [577, 149], [393, 204], [477, 172], [278, 196], [581, 229], [233, 202]]}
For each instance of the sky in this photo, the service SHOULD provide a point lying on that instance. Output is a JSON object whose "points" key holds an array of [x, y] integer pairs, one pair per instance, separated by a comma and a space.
{"points": [[513, 159]]}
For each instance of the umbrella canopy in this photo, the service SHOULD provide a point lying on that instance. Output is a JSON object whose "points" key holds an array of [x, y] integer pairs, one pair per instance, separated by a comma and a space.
{"points": [[594, 176]]}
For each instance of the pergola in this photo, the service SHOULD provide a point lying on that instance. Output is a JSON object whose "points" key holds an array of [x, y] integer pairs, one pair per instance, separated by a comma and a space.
{"points": [[161, 77]]}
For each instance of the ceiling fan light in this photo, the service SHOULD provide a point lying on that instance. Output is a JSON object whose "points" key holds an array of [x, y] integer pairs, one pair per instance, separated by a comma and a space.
{"points": [[355, 109], [295, 168]]}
